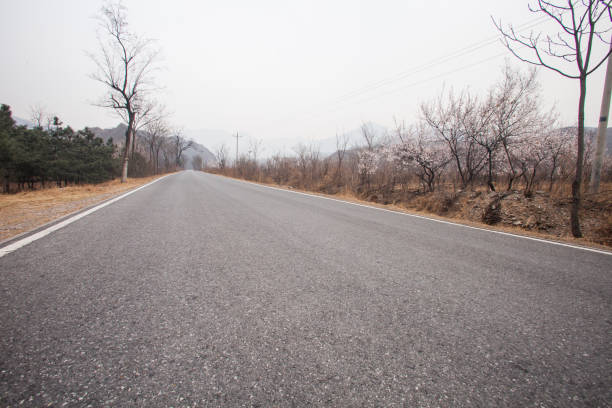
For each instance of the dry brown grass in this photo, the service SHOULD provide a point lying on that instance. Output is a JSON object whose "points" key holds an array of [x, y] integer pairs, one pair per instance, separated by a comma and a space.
{"points": [[27, 210]]}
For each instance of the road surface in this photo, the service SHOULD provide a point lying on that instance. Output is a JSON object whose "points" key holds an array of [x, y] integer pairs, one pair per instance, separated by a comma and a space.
{"points": [[205, 291]]}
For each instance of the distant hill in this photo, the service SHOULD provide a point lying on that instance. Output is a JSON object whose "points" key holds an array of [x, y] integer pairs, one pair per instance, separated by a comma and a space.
{"points": [[197, 149], [593, 131], [23, 122], [116, 133], [213, 138], [354, 137], [286, 146]]}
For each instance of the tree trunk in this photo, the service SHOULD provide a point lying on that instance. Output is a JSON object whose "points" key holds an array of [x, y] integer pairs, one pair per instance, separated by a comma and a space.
{"points": [[124, 168], [126, 150], [552, 174], [530, 181], [490, 175], [459, 169], [577, 184], [133, 152]]}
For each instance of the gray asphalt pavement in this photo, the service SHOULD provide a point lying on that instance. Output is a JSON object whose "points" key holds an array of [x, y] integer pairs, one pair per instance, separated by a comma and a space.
{"points": [[205, 291]]}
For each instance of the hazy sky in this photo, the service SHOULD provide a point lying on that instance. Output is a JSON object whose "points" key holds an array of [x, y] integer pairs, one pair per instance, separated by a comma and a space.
{"points": [[273, 69]]}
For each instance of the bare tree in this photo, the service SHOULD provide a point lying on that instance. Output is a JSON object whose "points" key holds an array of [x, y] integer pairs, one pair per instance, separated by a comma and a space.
{"points": [[302, 155], [447, 117], [156, 133], [124, 66], [221, 155], [255, 146], [40, 118], [149, 112], [369, 135], [533, 154], [341, 144], [314, 151], [558, 144], [168, 152], [180, 145], [279, 167], [37, 115], [580, 30]]}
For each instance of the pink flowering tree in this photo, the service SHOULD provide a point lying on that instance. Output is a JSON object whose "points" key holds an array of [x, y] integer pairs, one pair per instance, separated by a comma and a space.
{"points": [[425, 153], [513, 113], [447, 118], [367, 164]]}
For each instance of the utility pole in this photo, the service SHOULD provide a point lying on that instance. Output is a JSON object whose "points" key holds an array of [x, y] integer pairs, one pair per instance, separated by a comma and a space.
{"points": [[602, 129], [237, 136]]}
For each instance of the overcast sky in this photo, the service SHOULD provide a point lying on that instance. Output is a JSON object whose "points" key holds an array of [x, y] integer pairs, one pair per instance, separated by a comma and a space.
{"points": [[300, 70]]}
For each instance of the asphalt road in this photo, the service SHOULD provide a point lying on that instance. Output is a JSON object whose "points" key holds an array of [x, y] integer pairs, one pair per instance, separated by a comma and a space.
{"points": [[205, 291]]}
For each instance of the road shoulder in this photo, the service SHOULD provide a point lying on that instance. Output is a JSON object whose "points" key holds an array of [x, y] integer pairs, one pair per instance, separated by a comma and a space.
{"points": [[27, 213]]}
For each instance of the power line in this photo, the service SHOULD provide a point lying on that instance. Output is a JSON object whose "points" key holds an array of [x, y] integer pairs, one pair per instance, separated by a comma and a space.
{"points": [[436, 61], [343, 99], [420, 82]]}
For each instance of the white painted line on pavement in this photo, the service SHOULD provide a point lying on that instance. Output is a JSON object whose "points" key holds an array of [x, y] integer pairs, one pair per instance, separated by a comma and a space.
{"points": [[599, 251], [31, 238]]}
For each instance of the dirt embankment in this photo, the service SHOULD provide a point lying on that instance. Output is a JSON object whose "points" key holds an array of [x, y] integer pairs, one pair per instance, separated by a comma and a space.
{"points": [[538, 212]]}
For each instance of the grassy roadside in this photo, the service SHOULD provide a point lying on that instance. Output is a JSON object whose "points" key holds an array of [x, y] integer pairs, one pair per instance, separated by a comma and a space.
{"points": [[566, 239], [27, 210]]}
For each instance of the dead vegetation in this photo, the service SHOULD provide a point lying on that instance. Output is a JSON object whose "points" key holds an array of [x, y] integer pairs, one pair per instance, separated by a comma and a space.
{"points": [[542, 212]]}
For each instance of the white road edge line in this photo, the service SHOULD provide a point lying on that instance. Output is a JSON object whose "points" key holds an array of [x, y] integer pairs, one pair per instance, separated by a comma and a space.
{"points": [[430, 219], [31, 238]]}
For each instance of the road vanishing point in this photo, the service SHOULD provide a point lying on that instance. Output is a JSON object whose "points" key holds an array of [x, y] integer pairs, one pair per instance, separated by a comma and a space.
{"points": [[199, 290]]}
